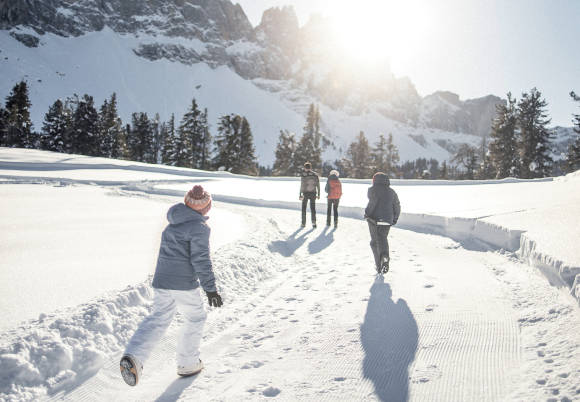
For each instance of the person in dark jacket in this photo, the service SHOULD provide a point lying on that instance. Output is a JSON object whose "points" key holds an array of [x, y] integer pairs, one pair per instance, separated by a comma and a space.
{"points": [[183, 264], [334, 190], [309, 191], [381, 213]]}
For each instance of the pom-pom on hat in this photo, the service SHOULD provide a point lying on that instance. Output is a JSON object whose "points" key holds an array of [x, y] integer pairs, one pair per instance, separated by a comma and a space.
{"points": [[198, 199]]}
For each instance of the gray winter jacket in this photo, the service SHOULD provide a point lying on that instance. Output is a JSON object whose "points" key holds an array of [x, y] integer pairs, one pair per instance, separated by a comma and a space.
{"points": [[309, 182], [383, 203], [184, 252]]}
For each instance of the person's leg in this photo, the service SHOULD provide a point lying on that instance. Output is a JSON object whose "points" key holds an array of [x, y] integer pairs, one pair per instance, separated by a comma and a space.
{"points": [[328, 210], [383, 232], [313, 209], [304, 201], [190, 305], [373, 243], [153, 326], [335, 205]]}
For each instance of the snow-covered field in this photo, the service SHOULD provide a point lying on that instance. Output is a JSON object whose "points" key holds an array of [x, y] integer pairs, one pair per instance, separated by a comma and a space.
{"points": [[464, 314]]}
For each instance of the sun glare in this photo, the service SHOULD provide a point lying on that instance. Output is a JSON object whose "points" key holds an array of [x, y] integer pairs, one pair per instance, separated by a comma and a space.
{"points": [[375, 31]]}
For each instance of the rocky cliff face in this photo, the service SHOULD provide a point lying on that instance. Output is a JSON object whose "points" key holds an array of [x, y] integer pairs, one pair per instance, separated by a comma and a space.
{"points": [[278, 54]]}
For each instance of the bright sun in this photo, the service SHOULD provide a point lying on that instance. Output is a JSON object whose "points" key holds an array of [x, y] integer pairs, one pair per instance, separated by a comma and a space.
{"points": [[374, 31]]}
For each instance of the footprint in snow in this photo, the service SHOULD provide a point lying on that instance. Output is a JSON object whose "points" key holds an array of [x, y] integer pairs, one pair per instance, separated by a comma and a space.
{"points": [[252, 364], [428, 286], [271, 392], [339, 378]]}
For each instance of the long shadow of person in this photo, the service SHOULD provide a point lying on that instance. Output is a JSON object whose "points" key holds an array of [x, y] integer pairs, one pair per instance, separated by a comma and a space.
{"points": [[324, 240], [290, 245], [389, 337]]}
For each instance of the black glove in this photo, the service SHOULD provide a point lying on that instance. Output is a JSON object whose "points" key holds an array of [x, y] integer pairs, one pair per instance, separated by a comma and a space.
{"points": [[214, 299]]}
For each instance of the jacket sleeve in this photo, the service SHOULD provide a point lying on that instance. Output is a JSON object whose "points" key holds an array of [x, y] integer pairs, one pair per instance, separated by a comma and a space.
{"points": [[396, 207], [339, 189], [317, 186], [200, 258], [370, 209], [327, 187], [301, 185]]}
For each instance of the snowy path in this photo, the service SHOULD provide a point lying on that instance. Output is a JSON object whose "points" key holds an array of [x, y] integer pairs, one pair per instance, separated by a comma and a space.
{"points": [[314, 323]]}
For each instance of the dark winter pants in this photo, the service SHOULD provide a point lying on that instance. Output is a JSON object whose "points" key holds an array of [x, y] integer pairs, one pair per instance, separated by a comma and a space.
{"points": [[379, 243], [312, 198], [332, 204]]}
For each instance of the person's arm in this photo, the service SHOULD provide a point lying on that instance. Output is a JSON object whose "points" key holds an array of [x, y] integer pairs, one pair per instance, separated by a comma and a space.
{"points": [[200, 258], [370, 209], [301, 187], [396, 208], [327, 187], [317, 186]]}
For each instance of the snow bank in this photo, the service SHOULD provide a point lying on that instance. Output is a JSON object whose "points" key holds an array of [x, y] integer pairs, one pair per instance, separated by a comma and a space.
{"points": [[64, 348], [61, 350]]}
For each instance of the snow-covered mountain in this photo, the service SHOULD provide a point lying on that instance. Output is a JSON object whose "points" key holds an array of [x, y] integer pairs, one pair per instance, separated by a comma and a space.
{"points": [[157, 55]]}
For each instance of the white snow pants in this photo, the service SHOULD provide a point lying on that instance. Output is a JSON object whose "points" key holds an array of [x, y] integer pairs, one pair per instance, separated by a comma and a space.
{"points": [[152, 328]]}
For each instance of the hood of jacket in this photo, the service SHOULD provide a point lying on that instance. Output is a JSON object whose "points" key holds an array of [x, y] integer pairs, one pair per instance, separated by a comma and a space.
{"points": [[180, 213], [333, 177], [381, 179]]}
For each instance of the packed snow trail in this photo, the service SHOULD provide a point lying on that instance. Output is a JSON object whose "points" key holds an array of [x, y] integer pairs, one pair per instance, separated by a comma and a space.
{"points": [[446, 323]]}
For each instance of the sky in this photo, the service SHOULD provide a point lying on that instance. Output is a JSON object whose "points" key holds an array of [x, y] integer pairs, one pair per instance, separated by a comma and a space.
{"points": [[473, 48]]}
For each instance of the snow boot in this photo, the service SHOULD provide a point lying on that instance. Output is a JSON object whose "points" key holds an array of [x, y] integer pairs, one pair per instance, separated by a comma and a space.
{"points": [[131, 369], [384, 264], [313, 225], [186, 371]]}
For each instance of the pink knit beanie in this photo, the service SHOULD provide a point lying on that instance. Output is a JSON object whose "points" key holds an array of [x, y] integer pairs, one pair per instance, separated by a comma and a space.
{"points": [[198, 199]]}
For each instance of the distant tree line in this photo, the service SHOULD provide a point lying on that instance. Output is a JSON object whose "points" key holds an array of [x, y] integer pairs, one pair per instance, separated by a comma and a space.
{"points": [[76, 126]]}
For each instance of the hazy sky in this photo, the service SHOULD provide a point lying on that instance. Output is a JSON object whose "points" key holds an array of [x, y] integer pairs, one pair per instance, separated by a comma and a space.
{"points": [[470, 47]]}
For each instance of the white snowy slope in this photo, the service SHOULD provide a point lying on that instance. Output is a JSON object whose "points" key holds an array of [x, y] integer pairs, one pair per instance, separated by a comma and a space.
{"points": [[304, 317], [100, 63]]}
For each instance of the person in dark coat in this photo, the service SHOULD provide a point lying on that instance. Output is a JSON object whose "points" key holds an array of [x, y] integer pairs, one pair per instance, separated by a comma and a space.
{"points": [[183, 266], [309, 191], [381, 213], [334, 190]]}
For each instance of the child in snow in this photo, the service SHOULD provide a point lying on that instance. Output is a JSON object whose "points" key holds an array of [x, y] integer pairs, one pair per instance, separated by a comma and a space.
{"points": [[334, 190], [381, 213], [309, 190], [183, 263]]}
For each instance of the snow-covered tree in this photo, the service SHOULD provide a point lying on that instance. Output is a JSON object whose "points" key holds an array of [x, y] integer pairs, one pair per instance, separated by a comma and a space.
{"points": [[503, 148], [54, 128], [573, 155], [17, 124], [284, 163], [3, 123], [84, 136], [110, 129], [466, 156], [194, 132], [534, 146]]}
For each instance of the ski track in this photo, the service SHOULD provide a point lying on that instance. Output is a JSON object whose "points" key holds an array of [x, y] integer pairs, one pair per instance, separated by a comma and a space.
{"points": [[323, 326]]}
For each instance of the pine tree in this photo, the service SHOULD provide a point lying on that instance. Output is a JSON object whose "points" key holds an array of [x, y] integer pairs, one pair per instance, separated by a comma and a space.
{"points": [[573, 155], [54, 128], [359, 155], [169, 156], [110, 128], [234, 145], [246, 163], [284, 163], [503, 148], [84, 134], [535, 137], [206, 142], [157, 145], [140, 139], [443, 172], [385, 156], [195, 132], [309, 145], [3, 123], [18, 127], [466, 156]]}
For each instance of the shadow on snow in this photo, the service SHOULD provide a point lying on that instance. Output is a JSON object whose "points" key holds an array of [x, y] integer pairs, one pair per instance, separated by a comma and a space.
{"points": [[389, 337]]}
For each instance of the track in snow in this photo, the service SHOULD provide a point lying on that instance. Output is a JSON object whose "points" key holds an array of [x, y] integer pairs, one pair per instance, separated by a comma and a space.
{"points": [[440, 326]]}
